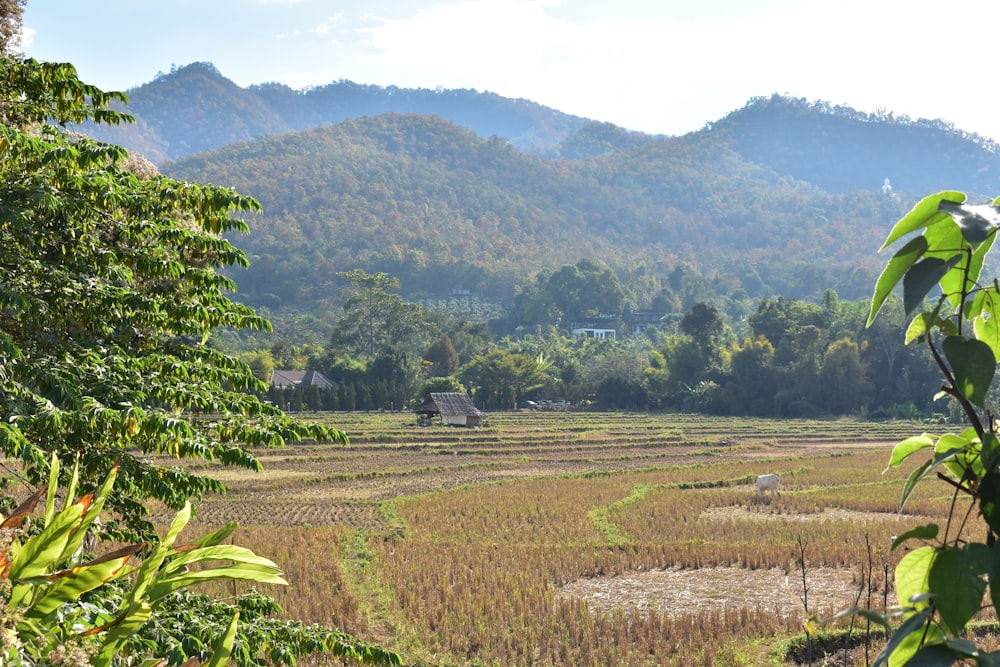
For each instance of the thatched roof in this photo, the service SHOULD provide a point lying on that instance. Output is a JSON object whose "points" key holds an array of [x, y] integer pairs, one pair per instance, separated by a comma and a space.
{"points": [[449, 403]]}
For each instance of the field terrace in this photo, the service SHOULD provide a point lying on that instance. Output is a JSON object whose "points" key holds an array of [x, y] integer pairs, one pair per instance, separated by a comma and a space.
{"points": [[564, 538]]}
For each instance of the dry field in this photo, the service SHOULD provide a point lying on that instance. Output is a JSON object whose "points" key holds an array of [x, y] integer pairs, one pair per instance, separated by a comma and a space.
{"points": [[581, 538]]}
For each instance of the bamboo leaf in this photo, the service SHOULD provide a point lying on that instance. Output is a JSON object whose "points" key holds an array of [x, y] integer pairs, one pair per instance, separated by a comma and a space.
{"points": [[71, 584], [222, 649]]}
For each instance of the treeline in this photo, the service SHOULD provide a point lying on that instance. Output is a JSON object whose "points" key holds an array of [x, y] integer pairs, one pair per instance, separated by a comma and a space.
{"points": [[783, 358]]}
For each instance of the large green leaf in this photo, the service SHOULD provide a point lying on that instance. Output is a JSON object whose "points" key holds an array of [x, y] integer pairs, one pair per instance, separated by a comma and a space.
{"points": [[961, 279], [957, 578], [905, 641], [990, 451], [928, 532], [922, 277], [926, 212], [934, 655], [912, 574], [894, 271], [959, 453], [977, 222], [908, 447], [989, 500], [973, 365], [984, 311]]}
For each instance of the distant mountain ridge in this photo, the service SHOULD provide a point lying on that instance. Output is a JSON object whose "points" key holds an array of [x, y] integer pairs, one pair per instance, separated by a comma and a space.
{"points": [[195, 108], [782, 197], [840, 149]]}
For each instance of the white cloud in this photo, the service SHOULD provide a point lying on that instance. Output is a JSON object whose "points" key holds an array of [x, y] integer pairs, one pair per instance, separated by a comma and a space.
{"points": [[27, 38]]}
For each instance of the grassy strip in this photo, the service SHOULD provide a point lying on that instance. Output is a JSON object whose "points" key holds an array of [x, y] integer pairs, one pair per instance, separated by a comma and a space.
{"points": [[598, 516], [359, 567]]}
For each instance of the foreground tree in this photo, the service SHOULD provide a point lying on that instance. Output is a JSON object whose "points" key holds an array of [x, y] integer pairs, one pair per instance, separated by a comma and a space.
{"points": [[941, 584], [108, 291]]}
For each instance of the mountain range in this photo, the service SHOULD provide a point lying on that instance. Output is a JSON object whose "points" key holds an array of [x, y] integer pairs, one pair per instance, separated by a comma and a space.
{"points": [[462, 190]]}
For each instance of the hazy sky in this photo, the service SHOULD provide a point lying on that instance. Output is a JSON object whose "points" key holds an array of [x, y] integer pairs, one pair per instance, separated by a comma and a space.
{"points": [[659, 66]]}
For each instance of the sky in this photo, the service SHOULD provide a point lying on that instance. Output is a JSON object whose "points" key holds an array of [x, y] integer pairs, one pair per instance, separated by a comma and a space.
{"points": [[656, 66]]}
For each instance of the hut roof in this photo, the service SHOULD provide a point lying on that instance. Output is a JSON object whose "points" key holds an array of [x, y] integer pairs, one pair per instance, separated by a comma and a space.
{"points": [[449, 403]]}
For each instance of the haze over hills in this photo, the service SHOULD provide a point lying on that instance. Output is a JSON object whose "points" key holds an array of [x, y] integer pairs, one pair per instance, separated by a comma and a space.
{"points": [[195, 108], [464, 190]]}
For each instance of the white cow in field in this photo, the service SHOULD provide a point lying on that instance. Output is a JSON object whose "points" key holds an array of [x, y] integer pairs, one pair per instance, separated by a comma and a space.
{"points": [[769, 483]]}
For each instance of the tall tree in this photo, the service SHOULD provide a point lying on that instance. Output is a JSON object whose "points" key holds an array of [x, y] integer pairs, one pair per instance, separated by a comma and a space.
{"points": [[108, 291], [704, 324], [10, 24], [502, 378], [441, 357], [376, 319]]}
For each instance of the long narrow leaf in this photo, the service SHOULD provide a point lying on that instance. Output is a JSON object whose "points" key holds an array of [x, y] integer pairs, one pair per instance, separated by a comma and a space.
{"points": [[77, 582], [50, 496], [222, 649], [912, 480]]}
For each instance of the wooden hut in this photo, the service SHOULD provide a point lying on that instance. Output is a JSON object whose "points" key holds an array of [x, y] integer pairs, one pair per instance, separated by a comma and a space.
{"points": [[455, 409]]}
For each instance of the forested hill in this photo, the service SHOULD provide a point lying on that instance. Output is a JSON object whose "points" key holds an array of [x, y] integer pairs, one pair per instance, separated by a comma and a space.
{"points": [[840, 149], [195, 108], [442, 208]]}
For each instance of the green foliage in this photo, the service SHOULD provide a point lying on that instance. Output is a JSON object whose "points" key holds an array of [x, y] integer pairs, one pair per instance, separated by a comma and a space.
{"points": [[941, 585], [437, 385], [109, 288], [47, 576], [375, 319], [500, 378]]}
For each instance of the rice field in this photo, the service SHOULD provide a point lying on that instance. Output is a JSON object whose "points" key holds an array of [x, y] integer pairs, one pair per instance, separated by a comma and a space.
{"points": [[582, 538]]}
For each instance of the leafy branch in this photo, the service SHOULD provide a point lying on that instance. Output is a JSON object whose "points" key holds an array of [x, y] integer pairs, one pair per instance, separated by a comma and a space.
{"points": [[940, 585]]}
